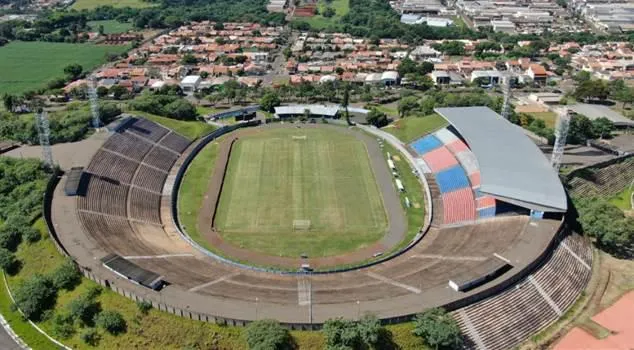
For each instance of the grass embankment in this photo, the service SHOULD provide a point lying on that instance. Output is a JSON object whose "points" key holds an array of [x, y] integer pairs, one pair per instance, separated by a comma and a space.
{"points": [[410, 128], [413, 191], [623, 199], [92, 4], [341, 7], [550, 118], [279, 180], [192, 191], [111, 26], [27, 66], [155, 330], [190, 129]]}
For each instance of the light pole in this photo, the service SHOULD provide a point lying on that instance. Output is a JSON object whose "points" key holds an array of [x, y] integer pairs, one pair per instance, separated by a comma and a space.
{"points": [[358, 310], [256, 308]]}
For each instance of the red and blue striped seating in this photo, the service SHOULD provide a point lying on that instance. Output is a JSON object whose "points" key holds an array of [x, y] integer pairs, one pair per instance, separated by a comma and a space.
{"points": [[439, 159]]}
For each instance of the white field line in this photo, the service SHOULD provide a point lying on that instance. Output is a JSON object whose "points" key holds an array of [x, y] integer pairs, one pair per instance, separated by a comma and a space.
{"points": [[394, 283], [132, 257], [211, 283]]}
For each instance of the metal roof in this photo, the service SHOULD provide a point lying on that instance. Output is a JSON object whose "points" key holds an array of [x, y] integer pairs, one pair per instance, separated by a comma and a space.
{"points": [[597, 111], [512, 167]]}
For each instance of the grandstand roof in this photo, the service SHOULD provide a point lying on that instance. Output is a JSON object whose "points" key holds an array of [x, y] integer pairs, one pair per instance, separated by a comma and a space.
{"points": [[512, 167]]}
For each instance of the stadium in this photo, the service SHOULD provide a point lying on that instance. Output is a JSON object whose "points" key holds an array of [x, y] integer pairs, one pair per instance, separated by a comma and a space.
{"points": [[493, 247]]}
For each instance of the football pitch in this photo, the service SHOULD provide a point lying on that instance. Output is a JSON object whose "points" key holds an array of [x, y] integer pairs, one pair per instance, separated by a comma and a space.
{"points": [[290, 191]]}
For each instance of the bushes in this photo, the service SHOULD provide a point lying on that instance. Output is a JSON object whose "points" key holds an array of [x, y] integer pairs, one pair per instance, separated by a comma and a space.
{"points": [[91, 337], [606, 223], [34, 296], [165, 105], [438, 329], [112, 322], [8, 261], [63, 326], [144, 306], [66, 276], [84, 309], [268, 335], [346, 334]]}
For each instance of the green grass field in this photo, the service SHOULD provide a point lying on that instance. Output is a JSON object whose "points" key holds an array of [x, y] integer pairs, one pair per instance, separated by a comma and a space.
{"points": [[341, 8], [623, 199], [550, 118], [111, 26], [190, 129], [92, 4], [192, 191], [410, 128], [325, 178], [30, 65]]}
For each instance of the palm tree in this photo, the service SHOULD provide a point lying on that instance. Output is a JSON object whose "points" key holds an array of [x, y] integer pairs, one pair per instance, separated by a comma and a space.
{"points": [[345, 102]]}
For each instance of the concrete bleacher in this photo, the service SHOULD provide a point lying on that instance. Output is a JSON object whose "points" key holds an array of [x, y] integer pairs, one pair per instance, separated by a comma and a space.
{"points": [[507, 319], [126, 179]]}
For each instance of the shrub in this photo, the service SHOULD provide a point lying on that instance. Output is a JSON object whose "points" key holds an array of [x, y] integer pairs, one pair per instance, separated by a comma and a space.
{"points": [[84, 309], [438, 329], [34, 296], [144, 306], [30, 234], [91, 337], [7, 260], [9, 237], [268, 334], [66, 276], [112, 322], [63, 326]]}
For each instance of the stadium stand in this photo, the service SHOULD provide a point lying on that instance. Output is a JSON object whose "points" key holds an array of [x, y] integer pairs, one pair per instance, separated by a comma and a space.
{"points": [[425, 144], [452, 179], [122, 192], [507, 319], [439, 159], [458, 206], [602, 181]]}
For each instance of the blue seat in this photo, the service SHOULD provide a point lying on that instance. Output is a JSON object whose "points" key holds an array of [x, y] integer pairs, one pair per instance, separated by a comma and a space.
{"points": [[486, 212], [426, 144], [452, 179]]}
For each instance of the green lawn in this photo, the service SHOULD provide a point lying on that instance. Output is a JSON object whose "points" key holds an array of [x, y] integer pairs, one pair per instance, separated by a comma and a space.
{"points": [[341, 8], [622, 200], [550, 118], [410, 128], [192, 191], [110, 26], [190, 129], [26, 66], [92, 4], [326, 179]]}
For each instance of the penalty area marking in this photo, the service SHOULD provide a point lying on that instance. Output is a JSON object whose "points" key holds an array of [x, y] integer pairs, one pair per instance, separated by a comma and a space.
{"points": [[132, 257], [394, 283], [211, 283]]}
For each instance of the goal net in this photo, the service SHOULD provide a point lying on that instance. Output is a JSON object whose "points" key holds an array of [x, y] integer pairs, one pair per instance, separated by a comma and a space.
{"points": [[301, 225]]}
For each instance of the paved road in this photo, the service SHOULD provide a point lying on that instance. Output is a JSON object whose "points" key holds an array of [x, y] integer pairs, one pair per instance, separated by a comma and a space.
{"points": [[6, 341]]}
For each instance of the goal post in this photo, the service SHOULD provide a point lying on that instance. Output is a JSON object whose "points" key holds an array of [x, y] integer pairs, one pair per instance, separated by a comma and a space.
{"points": [[301, 225]]}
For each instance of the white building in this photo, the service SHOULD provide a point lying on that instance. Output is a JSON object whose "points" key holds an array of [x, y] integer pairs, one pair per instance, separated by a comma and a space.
{"points": [[190, 84]]}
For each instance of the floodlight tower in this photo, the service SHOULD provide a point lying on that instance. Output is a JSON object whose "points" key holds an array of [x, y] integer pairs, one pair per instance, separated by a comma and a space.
{"points": [[506, 106], [94, 104], [44, 132], [561, 134]]}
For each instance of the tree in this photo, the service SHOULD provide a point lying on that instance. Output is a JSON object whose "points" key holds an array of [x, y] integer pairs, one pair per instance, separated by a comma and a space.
{"points": [[66, 276], [438, 329], [189, 59], [73, 71], [329, 12], [607, 224], [102, 91], [101, 30], [602, 126], [580, 129], [83, 310], [180, 109], [9, 101], [10, 236], [376, 118], [369, 328], [269, 101], [346, 334], [407, 105], [345, 102], [582, 76], [112, 322], [63, 326], [91, 337], [118, 92], [8, 261], [268, 335], [34, 296]]}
